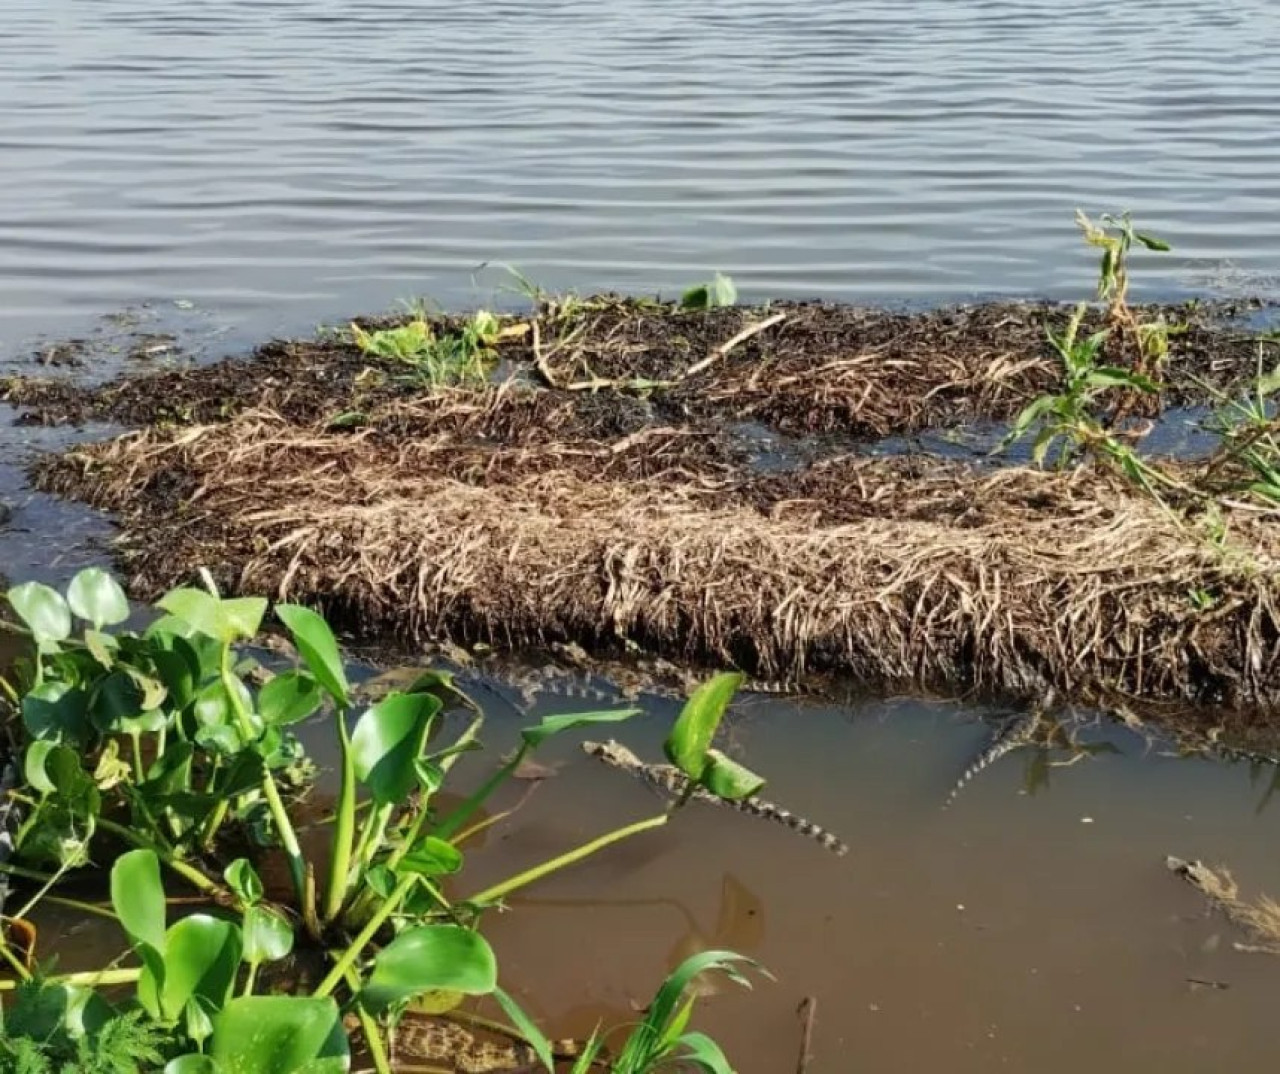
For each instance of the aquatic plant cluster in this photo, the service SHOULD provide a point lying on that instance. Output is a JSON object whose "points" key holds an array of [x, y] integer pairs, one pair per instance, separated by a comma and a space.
{"points": [[173, 755]]}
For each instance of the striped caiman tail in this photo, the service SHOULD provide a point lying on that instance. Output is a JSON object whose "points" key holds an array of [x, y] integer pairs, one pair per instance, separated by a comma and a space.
{"points": [[1015, 733], [671, 780]]}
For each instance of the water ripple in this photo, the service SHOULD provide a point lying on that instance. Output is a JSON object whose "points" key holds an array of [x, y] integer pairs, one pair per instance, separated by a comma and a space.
{"points": [[292, 160]]}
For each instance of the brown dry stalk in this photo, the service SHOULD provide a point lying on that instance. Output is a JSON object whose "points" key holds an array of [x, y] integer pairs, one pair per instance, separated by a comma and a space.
{"points": [[1260, 919], [888, 570]]}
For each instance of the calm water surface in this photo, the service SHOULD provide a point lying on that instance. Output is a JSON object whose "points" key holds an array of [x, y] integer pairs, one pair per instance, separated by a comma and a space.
{"points": [[285, 162], [281, 163]]}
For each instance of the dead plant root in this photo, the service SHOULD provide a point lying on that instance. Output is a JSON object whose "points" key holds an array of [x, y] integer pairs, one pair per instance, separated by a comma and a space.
{"points": [[890, 570]]}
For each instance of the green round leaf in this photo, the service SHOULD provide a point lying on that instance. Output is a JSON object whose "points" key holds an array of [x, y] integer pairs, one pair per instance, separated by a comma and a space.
{"points": [[242, 617], [33, 766], [97, 598], [58, 712], [138, 897], [318, 648], [195, 1063], [289, 698], [695, 727], [280, 1035], [725, 778], [553, 725], [244, 881], [43, 610], [116, 700], [201, 957], [199, 610], [428, 958], [388, 741], [268, 937], [432, 857]]}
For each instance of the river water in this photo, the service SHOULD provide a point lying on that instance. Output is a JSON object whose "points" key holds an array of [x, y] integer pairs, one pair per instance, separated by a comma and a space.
{"points": [[248, 167], [287, 162]]}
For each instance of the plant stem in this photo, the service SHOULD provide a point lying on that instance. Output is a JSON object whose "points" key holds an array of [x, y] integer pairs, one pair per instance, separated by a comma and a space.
{"points": [[288, 837], [372, 1038], [498, 891], [415, 829], [190, 873], [13, 961], [344, 826], [213, 823], [454, 822], [139, 776], [26, 874], [83, 907], [90, 978], [348, 957]]}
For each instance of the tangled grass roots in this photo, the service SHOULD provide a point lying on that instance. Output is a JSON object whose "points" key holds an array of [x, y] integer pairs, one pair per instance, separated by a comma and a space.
{"points": [[1002, 580]]}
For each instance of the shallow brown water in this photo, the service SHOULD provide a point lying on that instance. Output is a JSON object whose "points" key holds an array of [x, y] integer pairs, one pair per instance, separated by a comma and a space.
{"points": [[1013, 930], [279, 163]]}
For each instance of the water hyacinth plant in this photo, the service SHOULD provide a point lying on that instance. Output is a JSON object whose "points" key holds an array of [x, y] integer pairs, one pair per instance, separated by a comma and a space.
{"points": [[162, 748]]}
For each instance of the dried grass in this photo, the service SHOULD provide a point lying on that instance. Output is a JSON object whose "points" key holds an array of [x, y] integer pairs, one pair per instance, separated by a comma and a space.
{"points": [[887, 570], [1260, 919]]}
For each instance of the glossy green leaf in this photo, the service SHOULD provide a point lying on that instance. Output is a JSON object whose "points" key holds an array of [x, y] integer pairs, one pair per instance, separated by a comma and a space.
{"points": [[666, 1005], [528, 1028], [426, 958], [171, 771], [213, 708], [268, 937], [553, 725], [432, 857], [430, 776], [137, 896], [242, 616], [702, 1052], [43, 610], [695, 727], [33, 766], [726, 778], [97, 598], [116, 699], [201, 957], [388, 741], [200, 610], [243, 879], [289, 698], [318, 648], [195, 1063], [102, 647], [197, 1018], [1152, 243], [178, 667], [280, 1035], [57, 711]]}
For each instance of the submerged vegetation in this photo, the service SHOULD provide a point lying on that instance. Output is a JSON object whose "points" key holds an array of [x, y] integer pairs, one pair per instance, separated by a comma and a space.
{"points": [[157, 749]]}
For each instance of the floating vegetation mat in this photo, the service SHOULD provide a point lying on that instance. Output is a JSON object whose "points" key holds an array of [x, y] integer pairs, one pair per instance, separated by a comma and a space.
{"points": [[891, 569], [598, 490], [796, 368]]}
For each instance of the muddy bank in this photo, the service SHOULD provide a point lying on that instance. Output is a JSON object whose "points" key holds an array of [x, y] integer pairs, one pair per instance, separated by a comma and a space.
{"points": [[863, 372], [1005, 580]]}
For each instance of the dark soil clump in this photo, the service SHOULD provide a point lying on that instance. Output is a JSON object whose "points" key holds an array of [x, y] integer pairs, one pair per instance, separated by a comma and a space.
{"points": [[597, 491], [868, 373]]}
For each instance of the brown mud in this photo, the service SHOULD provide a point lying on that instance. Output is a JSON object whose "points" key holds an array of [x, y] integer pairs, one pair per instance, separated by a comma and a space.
{"points": [[862, 371], [626, 515]]}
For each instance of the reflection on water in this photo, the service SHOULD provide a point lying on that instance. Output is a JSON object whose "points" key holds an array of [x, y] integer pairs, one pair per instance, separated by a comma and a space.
{"points": [[288, 161], [1030, 926]]}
